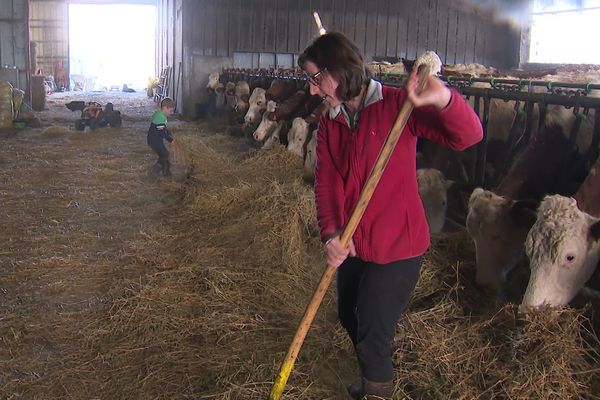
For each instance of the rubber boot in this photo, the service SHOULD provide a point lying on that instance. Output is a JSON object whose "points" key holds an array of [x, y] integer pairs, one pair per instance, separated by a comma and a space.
{"points": [[355, 389], [377, 390]]}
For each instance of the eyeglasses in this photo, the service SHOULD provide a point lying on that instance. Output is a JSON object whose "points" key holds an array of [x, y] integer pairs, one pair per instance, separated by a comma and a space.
{"points": [[315, 79]]}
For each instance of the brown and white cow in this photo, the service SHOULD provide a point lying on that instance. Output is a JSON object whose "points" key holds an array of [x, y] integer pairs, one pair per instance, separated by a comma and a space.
{"points": [[257, 105], [299, 132], [498, 221], [563, 245], [213, 80], [297, 136], [267, 123]]}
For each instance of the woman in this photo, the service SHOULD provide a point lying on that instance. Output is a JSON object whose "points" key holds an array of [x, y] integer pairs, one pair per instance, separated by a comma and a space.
{"points": [[380, 268]]}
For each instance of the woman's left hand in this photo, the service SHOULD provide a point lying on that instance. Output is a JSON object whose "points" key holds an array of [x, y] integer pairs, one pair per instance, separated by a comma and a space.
{"points": [[434, 93]]}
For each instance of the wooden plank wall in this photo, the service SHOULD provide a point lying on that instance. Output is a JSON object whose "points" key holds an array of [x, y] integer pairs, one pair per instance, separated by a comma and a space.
{"points": [[383, 29]]}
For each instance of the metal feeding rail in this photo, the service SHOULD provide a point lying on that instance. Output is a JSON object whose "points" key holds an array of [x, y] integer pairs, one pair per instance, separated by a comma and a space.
{"points": [[523, 92]]}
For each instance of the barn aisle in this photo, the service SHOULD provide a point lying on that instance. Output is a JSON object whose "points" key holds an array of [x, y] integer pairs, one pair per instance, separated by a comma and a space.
{"points": [[116, 285], [108, 291]]}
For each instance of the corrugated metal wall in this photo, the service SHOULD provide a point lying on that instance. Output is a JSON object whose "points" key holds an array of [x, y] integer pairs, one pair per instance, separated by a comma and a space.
{"points": [[49, 31], [14, 44], [381, 28]]}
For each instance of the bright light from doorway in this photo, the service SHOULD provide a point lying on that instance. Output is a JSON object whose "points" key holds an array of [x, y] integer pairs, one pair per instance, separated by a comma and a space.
{"points": [[564, 32], [111, 45]]}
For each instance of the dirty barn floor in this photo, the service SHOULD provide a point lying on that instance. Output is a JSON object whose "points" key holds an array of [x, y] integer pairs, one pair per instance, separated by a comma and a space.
{"points": [[116, 285], [75, 208], [84, 229]]}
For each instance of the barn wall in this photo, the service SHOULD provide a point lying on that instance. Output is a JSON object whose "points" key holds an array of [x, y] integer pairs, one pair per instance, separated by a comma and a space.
{"points": [[383, 29], [14, 39]]}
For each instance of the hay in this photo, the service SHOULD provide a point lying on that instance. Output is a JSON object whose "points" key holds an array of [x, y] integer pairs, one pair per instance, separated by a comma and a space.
{"points": [[55, 131], [211, 278]]}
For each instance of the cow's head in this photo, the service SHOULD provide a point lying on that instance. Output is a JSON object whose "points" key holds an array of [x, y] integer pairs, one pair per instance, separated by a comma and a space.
{"points": [[267, 124], [563, 248], [498, 226], [297, 136], [213, 80], [258, 103], [273, 140]]}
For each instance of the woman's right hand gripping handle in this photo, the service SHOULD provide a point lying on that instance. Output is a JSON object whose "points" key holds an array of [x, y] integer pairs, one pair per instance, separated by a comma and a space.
{"points": [[336, 253]]}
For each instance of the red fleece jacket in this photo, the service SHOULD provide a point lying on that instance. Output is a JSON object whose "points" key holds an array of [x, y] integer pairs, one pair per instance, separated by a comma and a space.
{"points": [[393, 226]]}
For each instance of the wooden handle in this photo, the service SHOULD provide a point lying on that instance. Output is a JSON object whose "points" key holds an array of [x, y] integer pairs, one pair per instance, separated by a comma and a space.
{"points": [[356, 215]]}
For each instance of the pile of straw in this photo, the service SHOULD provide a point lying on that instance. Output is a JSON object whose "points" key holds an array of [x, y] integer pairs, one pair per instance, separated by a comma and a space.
{"points": [[223, 282]]}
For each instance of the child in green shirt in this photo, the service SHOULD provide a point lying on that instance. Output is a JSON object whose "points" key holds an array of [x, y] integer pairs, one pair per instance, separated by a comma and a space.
{"points": [[157, 133]]}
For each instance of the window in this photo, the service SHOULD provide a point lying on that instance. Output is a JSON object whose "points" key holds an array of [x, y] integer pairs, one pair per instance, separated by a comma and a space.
{"points": [[263, 60], [564, 32]]}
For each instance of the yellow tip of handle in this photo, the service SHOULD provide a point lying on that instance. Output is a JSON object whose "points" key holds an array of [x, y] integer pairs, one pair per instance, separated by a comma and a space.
{"points": [[279, 385]]}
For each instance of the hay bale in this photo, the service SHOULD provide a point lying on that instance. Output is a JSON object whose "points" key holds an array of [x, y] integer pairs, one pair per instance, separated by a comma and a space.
{"points": [[6, 105]]}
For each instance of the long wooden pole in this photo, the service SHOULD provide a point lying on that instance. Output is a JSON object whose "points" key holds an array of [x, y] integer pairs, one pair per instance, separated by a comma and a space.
{"points": [[355, 217]]}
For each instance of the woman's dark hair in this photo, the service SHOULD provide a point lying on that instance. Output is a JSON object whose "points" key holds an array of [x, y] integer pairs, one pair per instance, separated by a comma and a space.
{"points": [[343, 61]]}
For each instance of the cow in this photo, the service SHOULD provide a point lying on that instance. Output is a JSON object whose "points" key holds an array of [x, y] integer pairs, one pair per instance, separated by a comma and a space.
{"points": [[230, 95], [267, 124], [563, 245], [298, 135], [213, 80], [498, 220], [242, 95], [433, 189], [279, 90], [219, 96], [257, 105], [274, 137]]}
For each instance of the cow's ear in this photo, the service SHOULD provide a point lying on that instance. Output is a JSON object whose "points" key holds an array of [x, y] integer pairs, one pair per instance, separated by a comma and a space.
{"points": [[595, 231], [522, 212]]}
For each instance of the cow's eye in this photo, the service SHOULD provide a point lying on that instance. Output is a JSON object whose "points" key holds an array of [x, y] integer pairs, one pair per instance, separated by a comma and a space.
{"points": [[259, 103], [570, 258]]}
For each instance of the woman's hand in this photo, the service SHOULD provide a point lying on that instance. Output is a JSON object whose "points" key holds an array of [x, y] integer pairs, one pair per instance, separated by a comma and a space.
{"points": [[434, 93], [336, 253]]}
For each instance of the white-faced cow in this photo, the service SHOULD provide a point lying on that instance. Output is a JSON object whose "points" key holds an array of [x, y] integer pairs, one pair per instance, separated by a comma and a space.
{"points": [[563, 245], [213, 80], [267, 123], [257, 105], [498, 221]]}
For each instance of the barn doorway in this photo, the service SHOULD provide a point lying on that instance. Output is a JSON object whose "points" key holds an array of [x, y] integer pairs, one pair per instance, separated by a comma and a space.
{"points": [[111, 46]]}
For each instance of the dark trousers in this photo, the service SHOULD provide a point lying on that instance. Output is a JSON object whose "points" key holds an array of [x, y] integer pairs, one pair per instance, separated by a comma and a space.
{"points": [[371, 299], [159, 148]]}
